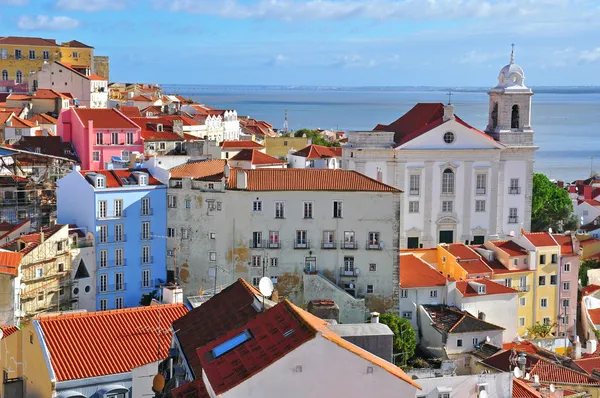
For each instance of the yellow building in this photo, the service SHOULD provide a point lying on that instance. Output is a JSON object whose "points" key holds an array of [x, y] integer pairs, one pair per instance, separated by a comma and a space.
{"points": [[280, 146], [20, 56]]}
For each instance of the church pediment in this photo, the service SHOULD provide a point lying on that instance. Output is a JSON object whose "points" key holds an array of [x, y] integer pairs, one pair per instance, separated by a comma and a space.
{"points": [[446, 220]]}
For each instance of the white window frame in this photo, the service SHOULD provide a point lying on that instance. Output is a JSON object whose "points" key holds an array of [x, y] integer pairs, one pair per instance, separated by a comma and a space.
{"points": [[414, 187], [338, 209], [119, 208], [257, 205], [521, 321], [522, 301], [480, 206], [413, 206], [543, 302], [212, 256], [119, 302], [146, 278], [129, 138], [433, 294], [280, 210], [103, 258], [307, 210], [103, 233], [566, 286], [146, 207], [102, 209], [407, 314], [95, 156], [481, 184], [119, 281], [146, 254], [567, 267], [171, 201], [448, 181], [447, 206], [103, 305], [404, 293]]}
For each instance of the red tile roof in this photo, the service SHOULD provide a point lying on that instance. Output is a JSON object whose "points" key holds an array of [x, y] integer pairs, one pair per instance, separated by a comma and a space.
{"points": [[240, 145], [319, 152], [211, 169], [588, 242], [114, 178], [415, 272], [4, 116], [47, 145], [524, 390], [42, 118], [71, 68], [7, 330], [491, 288], [104, 118], [83, 345], [509, 247], [75, 43], [566, 245], [28, 41], [9, 262], [141, 98], [586, 291], [468, 259], [18, 97], [540, 239], [48, 93], [256, 157], [589, 364], [308, 180], [17, 122], [595, 315], [453, 320], [153, 135], [31, 240], [591, 202], [130, 111]]}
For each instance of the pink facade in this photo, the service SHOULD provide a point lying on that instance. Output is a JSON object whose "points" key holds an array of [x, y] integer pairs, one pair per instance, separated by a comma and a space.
{"points": [[569, 275], [98, 135]]}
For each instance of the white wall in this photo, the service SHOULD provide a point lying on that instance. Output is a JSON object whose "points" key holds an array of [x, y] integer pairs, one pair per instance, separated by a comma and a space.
{"points": [[142, 378], [321, 368], [499, 385], [467, 341], [420, 296], [489, 305], [61, 79]]}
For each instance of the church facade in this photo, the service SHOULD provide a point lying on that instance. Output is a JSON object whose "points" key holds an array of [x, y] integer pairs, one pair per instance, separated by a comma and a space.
{"points": [[460, 184]]}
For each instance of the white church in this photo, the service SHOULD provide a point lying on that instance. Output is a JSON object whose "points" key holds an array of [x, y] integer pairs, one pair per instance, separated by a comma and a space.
{"points": [[460, 184]]}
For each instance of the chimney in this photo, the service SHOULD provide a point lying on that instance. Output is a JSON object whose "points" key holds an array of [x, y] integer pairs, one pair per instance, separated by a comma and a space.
{"points": [[242, 180], [172, 295], [178, 127], [374, 317], [226, 170], [42, 237], [577, 348], [448, 112]]}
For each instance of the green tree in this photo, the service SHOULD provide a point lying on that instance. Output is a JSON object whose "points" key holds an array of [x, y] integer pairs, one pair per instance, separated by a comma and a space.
{"points": [[315, 137], [583, 269], [551, 206], [405, 338], [147, 298], [540, 330]]}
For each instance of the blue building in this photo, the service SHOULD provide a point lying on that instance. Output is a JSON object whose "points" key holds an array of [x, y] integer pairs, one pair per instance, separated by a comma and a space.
{"points": [[126, 210]]}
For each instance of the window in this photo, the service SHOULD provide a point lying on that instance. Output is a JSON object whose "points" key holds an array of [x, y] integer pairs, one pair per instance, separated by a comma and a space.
{"points": [[514, 188], [274, 262], [553, 279], [512, 215], [404, 293], [448, 182], [301, 239], [337, 209], [19, 77], [544, 302], [515, 262], [129, 138], [373, 240], [459, 342], [255, 280], [554, 258], [146, 230], [522, 301], [449, 137], [475, 341], [18, 54], [61, 267], [413, 206], [45, 55], [542, 259], [118, 207], [328, 239], [565, 321], [125, 156], [279, 210], [119, 236], [103, 233], [514, 118], [185, 233], [480, 206], [119, 284], [257, 205], [103, 304], [256, 239], [274, 239], [481, 184], [567, 267], [188, 204], [212, 256], [433, 294], [565, 302], [521, 321], [231, 343], [372, 267], [146, 278], [146, 258], [369, 289], [447, 206], [211, 185], [102, 208], [4, 75], [348, 265], [162, 146], [407, 314], [542, 281], [566, 285], [256, 261], [103, 283], [99, 139], [118, 303], [143, 179], [172, 201], [481, 289], [103, 258], [145, 206], [75, 54], [40, 296], [349, 242], [546, 320], [415, 184], [308, 209], [31, 54], [170, 232], [523, 283], [39, 272]]}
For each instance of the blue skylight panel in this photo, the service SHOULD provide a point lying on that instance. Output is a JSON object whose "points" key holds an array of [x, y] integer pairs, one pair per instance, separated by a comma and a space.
{"points": [[231, 343]]}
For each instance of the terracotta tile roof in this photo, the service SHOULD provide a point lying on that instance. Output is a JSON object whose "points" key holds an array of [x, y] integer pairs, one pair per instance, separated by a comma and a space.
{"points": [[4, 116], [83, 345], [491, 288], [48, 93], [256, 157], [104, 118], [193, 389], [308, 180], [141, 98], [7, 330], [9, 262], [48, 145], [19, 97], [240, 145], [199, 170], [28, 41], [152, 109], [498, 268], [75, 43], [119, 178], [187, 121], [591, 202], [415, 272], [130, 111], [586, 291], [524, 390], [587, 242], [509, 247], [595, 315], [318, 152], [17, 122], [153, 135], [540, 239], [468, 259], [566, 245], [31, 240], [589, 364], [42, 118], [453, 320]]}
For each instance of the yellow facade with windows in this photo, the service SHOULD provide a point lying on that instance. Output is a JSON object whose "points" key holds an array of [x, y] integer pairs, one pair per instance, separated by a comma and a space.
{"points": [[548, 259]]}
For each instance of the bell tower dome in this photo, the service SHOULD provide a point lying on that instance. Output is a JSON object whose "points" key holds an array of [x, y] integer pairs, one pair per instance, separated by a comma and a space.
{"points": [[510, 107]]}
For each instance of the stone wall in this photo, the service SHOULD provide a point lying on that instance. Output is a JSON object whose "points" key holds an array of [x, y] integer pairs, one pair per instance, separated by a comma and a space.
{"points": [[317, 287]]}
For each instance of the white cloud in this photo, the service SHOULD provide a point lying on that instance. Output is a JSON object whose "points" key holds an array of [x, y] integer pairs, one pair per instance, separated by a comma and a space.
{"points": [[89, 5], [45, 22], [279, 60], [478, 57], [353, 61], [590, 56]]}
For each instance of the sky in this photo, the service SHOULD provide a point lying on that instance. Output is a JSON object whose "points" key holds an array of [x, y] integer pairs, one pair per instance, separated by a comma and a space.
{"points": [[324, 42]]}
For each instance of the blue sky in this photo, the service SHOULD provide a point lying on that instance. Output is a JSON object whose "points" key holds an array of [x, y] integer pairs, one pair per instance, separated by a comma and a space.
{"points": [[324, 42]]}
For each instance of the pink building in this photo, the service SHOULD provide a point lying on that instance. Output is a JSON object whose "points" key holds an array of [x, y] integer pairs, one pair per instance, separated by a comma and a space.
{"points": [[569, 279], [98, 135]]}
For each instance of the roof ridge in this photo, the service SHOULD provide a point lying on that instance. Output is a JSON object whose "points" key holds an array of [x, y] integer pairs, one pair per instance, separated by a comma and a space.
{"points": [[89, 314]]}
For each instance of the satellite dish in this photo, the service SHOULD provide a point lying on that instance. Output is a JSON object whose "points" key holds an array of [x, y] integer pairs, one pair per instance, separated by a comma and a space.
{"points": [[552, 388], [158, 383], [487, 339], [351, 286], [356, 271], [265, 286], [517, 372], [483, 394]]}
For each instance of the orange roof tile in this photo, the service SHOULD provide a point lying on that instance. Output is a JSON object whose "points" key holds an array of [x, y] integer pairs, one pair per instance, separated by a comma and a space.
{"points": [[9, 262], [308, 180], [7, 330], [587, 242], [540, 239], [28, 41], [4, 116], [595, 315], [83, 345], [42, 118], [415, 272], [48, 93], [198, 170], [509, 247], [141, 98], [130, 111], [319, 152], [240, 144], [256, 157], [119, 178], [17, 122], [18, 97], [589, 364], [586, 291], [468, 259], [105, 118], [491, 288], [524, 390]]}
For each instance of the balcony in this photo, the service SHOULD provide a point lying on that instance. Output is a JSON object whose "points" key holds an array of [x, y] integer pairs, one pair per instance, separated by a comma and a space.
{"points": [[147, 260], [480, 191], [111, 288], [348, 245], [373, 245], [302, 244], [80, 244], [523, 288], [328, 244], [149, 285], [111, 239], [146, 236], [147, 212], [513, 220], [108, 216], [274, 245], [348, 272], [257, 244], [514, 190], [414, 192], [114, 263]]}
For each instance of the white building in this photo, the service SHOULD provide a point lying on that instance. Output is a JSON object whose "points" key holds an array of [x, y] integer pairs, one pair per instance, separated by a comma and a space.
{"points": [[316, 156], [220, 124], [255, 159], [83, 268], [90, 90], [228, 223], [498, 385], [15, 128], [461, 184]]}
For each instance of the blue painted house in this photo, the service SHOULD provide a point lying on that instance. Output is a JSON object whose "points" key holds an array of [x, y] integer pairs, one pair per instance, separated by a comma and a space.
{"points": [[126, 210]]}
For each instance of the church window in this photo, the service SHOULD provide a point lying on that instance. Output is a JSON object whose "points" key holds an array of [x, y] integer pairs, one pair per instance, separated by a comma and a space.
{"points": [[514, 121], [449, 137], [495, 115], [448, 182]]}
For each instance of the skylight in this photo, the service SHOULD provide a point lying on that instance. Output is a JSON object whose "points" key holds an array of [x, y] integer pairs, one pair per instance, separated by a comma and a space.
{"points": [[231, 343]]}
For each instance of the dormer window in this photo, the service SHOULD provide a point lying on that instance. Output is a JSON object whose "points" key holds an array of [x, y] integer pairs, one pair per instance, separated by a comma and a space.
{"points": [[159, 128], [481, 289], [143, 179], [100, 182]]}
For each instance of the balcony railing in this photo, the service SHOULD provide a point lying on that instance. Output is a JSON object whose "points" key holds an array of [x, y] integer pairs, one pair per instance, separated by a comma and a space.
{"points": [[150, 284], [348, 245], [82, 243], [147, 260], [114, 263], [327, 244], [257, 244], [110, 215], [147, 212], [523, 288], [513, 220], [373, 245], [111, 239], [480, 191], [346, 271], [514, 190], [274, 245], [302, 244], [144, 236], [111, 288]]}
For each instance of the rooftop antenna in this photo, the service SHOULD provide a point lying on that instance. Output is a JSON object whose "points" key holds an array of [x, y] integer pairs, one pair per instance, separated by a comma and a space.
{"points": [[450, 97], [285, 122], [512, 54]]}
